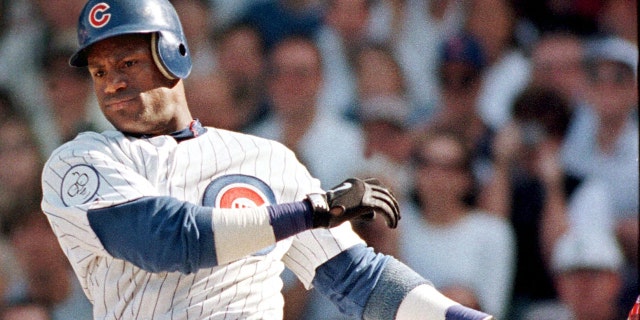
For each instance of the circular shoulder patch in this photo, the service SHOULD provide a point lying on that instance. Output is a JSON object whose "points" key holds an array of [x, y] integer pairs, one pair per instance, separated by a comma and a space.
{"points": [[79, 185], [237, 191]]}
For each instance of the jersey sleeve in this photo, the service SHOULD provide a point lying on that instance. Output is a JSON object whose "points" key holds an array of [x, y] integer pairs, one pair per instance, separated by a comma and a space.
{"points": [[314, 247], [87, 174]]}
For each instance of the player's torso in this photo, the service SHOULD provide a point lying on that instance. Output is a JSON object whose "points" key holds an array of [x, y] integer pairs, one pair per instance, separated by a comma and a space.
{"points": [[218, 169]]}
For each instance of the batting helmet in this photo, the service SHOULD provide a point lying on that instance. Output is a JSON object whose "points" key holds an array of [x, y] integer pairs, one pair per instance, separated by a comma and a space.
{"points": [[102, 19]]}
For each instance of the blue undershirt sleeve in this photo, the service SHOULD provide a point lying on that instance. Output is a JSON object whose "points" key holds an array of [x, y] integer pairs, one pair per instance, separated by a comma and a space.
{"points": [[349, 278], [157, 234]]}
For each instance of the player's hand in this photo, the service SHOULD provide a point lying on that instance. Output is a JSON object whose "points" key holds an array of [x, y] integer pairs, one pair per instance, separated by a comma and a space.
{"points": [[354, 199]]}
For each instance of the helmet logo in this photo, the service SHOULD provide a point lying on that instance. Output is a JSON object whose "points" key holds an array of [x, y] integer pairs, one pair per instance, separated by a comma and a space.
{"points": [[97, 17]]}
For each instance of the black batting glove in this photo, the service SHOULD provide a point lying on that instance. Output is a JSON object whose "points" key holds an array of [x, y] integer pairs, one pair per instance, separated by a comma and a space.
{"points": [[354, 199]]}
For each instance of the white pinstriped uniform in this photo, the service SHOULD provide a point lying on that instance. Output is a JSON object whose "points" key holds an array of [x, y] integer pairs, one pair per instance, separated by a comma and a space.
{"points": [[128, 168]]}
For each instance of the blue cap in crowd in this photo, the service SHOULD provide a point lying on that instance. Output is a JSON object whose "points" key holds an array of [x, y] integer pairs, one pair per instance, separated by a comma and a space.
{"points": [[463, 48]]}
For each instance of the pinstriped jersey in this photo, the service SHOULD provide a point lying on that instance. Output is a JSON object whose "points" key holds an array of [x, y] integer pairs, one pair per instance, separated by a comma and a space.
{"points": [[219, 169]]}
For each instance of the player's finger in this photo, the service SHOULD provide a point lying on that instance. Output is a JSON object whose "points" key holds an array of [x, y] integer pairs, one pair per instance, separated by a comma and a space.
{"points": [[390, 212], [386, 191]]}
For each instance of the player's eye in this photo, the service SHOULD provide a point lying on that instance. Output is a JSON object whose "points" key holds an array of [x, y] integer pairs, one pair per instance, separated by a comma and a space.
{"points": [[129, 63], [98, 73]]}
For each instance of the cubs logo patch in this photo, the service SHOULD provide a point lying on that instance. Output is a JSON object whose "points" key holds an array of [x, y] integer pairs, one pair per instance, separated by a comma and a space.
{"points": [[237, 191], [79, 185], [97, 16]]}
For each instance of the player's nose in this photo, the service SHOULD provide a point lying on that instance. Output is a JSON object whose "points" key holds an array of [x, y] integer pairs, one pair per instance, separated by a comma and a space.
{"points": [[114, 82]]}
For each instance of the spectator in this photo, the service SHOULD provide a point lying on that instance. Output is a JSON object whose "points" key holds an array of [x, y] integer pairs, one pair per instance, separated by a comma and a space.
{"points": [[69, 97], [587, 273], [378, 74], [17, 66], [278, 19], [619, 18], [557, 63], [295, 77], [198, 26], [47, 273], [530, 187], [575, 16], [37, 24], [385, 122], [244, 75], [462, 65], [9, 272], [344, 31], [21, 160], [493, 22], [413, 30], [603, 140], [446, 226]]}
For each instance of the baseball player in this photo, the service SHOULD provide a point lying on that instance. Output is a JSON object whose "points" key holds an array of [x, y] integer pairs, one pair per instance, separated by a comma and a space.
{"points": [[167, 219]]}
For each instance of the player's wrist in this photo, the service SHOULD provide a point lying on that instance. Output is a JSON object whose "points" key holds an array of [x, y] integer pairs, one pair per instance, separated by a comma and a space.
{"points": [[288, 219], [319, 208]]}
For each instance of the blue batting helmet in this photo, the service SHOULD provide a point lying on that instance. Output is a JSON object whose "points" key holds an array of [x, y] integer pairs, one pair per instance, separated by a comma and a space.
{"points": [[101, 19]]}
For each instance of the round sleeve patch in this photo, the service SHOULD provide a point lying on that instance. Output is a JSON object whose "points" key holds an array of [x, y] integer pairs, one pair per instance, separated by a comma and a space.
{"points": [[79, 185]]}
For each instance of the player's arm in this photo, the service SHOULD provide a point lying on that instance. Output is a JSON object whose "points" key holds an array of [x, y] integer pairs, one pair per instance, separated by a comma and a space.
{"points": [[374, 286], [166, 234]]}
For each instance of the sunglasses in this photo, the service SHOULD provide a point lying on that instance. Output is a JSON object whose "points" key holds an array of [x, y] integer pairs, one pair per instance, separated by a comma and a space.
{"points": [[462, 81], [615, 74], [423, 162]]}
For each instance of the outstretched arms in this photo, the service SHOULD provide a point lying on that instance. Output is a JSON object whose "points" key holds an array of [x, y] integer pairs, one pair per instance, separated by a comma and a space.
{"points": [[165, 234]]}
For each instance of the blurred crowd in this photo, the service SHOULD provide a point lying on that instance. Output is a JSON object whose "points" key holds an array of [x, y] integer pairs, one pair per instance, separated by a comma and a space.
{"points": [[508, 129]]}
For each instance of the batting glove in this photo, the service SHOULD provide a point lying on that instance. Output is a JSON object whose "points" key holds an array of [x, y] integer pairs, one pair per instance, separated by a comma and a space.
{"points": [[354, 199]]}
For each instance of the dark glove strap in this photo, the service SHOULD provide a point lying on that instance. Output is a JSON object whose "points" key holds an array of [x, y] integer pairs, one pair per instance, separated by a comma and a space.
{"points": [[321, 216]]}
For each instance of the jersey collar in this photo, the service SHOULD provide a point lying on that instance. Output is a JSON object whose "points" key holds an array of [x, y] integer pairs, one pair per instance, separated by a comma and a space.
{"points": [[194, 129]]}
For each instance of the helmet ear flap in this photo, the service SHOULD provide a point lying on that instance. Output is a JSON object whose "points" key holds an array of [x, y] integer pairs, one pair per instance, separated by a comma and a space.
{"points": [[171, 55], [155, 53]]}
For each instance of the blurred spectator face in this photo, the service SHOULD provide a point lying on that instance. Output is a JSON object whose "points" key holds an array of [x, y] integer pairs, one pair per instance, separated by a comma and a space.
{"points": [[460, 85], [378, 74], [68, 88], [443, 172], [39, 255], [590, 294], [211, 101], [294, 77], [383, 137], [613, 89], [620, 17], [557, 64], [245, 68], [20, 157], [349, 18], [491, 21]]}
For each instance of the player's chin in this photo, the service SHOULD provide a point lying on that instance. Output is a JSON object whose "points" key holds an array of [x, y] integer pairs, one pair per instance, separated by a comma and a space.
{"points": [[129, 123]]}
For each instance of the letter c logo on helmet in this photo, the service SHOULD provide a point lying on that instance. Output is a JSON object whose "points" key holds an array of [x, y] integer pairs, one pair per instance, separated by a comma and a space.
{"points": [[97, 16]]}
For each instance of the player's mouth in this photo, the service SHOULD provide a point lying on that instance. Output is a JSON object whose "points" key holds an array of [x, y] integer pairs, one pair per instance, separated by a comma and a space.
{"points": [[121, 103]]}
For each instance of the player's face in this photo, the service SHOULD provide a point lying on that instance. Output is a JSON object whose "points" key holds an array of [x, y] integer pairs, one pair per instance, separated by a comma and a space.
{"points": [[133, 95]]}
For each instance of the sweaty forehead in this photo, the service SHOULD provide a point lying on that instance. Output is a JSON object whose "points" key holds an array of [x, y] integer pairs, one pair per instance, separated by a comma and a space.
{"points": [[118, 47]]}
